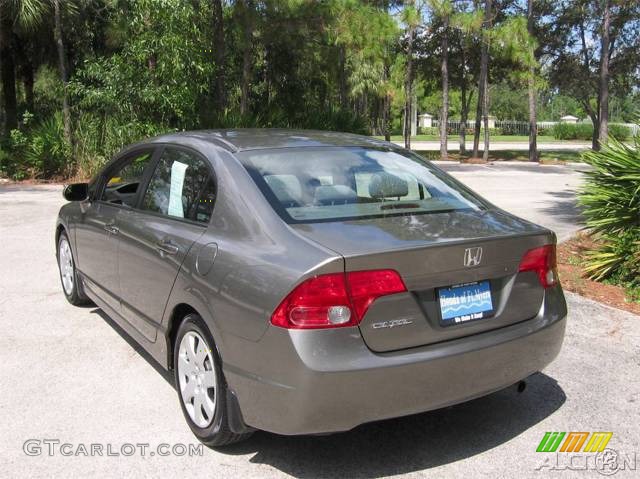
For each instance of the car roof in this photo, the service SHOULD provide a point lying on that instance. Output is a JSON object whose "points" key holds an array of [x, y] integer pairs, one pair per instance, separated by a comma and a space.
{"points": [[242, 139]]}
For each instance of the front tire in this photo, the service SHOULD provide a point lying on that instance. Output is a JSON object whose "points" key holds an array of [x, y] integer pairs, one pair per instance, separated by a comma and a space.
{"points": [[201, 387], [71, 286]]}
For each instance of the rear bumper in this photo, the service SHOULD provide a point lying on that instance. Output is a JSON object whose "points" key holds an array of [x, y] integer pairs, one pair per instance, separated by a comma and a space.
{"points": [[324, 381]]}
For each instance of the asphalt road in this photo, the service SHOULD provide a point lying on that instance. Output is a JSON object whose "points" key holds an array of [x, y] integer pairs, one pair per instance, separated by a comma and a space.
{"points": [[70, 374]]}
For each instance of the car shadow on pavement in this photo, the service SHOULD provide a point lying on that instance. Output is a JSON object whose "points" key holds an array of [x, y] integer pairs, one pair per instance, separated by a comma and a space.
{"points": [[167, 375], [412, 443], [396, 446]]}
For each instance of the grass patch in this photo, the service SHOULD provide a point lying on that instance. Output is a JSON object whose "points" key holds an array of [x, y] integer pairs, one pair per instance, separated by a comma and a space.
{"points": [[502, 138], [546, 157]]}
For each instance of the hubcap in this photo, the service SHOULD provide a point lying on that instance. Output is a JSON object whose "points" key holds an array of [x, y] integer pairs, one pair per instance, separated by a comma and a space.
{"points": [[66, 266], [197, 378]]}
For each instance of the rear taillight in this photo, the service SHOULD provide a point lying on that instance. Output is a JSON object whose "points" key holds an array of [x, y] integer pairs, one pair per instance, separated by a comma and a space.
{"points": [[335, 300], [542, 260]]}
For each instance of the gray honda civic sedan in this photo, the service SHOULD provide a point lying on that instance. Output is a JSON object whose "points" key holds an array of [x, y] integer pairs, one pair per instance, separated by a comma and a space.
{"points": [[305, 282]]}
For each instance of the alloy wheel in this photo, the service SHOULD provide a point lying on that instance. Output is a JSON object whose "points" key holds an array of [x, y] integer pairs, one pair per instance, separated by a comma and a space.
{"points": [[197, 378]]}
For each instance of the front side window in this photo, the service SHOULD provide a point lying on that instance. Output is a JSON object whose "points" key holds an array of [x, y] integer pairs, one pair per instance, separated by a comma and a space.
{"points": [[340, 183], [124, 181], [181, 187]]}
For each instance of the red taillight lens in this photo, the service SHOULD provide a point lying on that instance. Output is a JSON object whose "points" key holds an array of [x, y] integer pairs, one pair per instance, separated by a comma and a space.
{"points": [[366, 286], [542, 260], [335, 300]]}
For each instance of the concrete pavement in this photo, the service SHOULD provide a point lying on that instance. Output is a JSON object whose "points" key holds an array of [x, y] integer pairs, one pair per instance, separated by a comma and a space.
{"points": [[70, 374]]}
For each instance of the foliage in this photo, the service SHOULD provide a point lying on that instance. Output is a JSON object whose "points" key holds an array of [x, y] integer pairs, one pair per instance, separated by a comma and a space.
{"points": [[39, 152], [619, 132], [572, 131], [98, 138], [141, 67], [584, 131], [611, 202]]}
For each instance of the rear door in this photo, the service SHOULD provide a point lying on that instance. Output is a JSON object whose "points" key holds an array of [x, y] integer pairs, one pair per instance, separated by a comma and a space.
{"points": [[155, 237]]}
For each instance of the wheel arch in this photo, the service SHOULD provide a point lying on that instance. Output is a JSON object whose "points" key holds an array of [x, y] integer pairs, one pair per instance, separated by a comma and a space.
{"points": [[179, 312], [59, 229]]}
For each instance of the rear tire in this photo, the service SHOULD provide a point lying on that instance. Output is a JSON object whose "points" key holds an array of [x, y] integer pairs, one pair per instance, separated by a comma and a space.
{"points": [[200, 383], [71, 284]]}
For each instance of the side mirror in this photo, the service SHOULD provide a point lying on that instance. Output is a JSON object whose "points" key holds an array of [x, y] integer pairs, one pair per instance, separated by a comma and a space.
{"points": [[76, 192]]}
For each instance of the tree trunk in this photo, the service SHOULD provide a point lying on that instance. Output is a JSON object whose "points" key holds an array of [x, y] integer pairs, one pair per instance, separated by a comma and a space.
{"points": [[533, 120], [482, 81], [246, 54], [220, 94], [408, 86], [64, 74], [7, 71], [464, 106], [386, 106], [444, 115], [342, 77], [485, 119], [603, 91], [28, 80]]}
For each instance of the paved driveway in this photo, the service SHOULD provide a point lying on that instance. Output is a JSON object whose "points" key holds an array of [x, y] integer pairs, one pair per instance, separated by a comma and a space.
{"points": [[72, 375], [544, 194]]}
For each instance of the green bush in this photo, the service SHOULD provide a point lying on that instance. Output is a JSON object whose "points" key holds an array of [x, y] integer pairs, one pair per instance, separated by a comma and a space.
{"points": [[619, 132], [572, 131], [611, 202], [37, 152], [98, 138]]}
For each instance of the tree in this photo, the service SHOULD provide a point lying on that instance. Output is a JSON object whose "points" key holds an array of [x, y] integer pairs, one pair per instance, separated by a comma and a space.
{"points": [[219, 52], [468, 28], [482, 110], [64, 73], [596, 51], [443, 10], [8, 69], [246, 14], [533, 120], [411, 19], [603, 92], [23, 14]]}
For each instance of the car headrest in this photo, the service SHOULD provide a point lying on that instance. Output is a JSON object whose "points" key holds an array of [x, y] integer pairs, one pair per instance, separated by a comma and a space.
{"points": [[386, 185], [286, 187], [334, 194]]}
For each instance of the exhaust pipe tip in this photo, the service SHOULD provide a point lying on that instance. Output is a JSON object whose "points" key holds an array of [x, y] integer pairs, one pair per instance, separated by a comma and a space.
{"points": [[522, 385]]}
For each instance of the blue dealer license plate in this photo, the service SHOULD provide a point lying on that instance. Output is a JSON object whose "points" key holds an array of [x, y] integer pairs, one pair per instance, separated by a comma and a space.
{"points": [[465, 302]]}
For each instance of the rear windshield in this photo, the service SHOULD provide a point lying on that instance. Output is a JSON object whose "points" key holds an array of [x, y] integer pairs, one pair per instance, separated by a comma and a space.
{"points": [[306, 185]]}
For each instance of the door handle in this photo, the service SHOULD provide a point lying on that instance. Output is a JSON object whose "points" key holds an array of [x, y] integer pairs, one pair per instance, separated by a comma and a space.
{"points": [[167, 247], [111, 229]]}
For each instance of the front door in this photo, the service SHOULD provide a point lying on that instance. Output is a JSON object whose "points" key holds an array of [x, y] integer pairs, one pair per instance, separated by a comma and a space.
{"points": [[156, 237], [97, 235]]}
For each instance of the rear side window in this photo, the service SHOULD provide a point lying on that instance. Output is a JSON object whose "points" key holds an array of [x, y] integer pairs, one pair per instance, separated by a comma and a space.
{"points": [[181, 187], [306, 185]]}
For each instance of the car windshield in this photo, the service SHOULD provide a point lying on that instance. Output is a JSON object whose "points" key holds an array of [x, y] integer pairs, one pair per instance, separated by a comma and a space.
{"points": [[306, 185]]}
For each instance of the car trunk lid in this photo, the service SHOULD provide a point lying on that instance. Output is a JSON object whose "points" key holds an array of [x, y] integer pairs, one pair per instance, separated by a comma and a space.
{"points": [[429, 252]]}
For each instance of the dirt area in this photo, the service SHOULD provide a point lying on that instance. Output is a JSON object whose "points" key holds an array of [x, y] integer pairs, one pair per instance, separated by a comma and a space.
{"points": [[570, 255]]}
